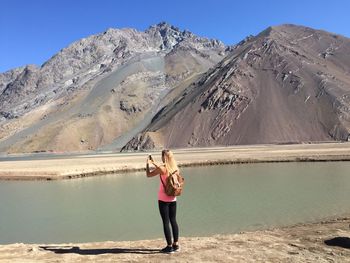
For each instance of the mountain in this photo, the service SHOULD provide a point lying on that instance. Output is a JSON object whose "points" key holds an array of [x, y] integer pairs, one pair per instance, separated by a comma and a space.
{"points": [[288, 84], [102, 90], [167, 87]]}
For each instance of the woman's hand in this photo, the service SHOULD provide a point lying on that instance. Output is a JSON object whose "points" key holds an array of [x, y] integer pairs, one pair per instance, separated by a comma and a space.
{"points": [[156, 171]]}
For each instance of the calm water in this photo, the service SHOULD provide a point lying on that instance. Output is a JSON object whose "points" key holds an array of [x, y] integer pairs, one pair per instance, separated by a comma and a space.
{"points": [[217, 199]]}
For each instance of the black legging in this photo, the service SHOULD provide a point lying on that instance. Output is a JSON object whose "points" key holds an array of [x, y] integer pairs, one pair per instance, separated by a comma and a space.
{"points": [[168, 213]]}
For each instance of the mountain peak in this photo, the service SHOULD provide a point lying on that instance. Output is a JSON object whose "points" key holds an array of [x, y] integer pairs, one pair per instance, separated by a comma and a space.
{"points": [[288, 28], [287, 32], [163, 26], [169, 34]]}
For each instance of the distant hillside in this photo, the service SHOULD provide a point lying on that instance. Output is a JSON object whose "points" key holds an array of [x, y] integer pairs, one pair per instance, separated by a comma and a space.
{"points": [[167, 87], [289, 84], [102, 90]]}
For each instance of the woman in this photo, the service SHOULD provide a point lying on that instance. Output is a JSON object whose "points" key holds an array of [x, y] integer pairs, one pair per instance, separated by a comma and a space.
{"points": [[167, 204]]}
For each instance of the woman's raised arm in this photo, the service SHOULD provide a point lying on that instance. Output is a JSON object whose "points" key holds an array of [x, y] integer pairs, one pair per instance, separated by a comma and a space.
{"points": [[157, 171]]}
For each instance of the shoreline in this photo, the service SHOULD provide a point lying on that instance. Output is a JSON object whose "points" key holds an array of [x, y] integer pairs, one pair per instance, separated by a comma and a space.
{"points": [[323, 241], [86, 165]]}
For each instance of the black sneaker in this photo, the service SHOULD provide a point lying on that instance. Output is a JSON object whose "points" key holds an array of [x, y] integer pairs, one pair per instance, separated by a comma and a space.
{"points": [[167, 250], [176, 248]]}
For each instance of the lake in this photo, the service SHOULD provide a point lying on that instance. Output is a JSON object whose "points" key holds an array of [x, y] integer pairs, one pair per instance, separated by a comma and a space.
{"points": [[216, 200]]}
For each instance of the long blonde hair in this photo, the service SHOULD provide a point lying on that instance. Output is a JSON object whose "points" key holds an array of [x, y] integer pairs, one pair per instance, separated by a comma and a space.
{"points": [[169, 161]]}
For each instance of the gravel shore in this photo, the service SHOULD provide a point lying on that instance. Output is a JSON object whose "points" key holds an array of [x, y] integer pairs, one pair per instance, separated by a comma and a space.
{"points": [[54, 167], [327, 241]]}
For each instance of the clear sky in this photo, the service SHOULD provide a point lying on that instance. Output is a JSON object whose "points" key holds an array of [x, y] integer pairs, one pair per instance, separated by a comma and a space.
{"points": [[32, 31]]}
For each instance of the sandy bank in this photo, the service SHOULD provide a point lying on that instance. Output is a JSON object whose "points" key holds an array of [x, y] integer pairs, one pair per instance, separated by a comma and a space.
{"points": [[106, 163], [327, 241]]}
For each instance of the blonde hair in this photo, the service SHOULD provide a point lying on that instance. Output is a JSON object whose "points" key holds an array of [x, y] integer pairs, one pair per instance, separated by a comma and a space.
{"points": [[169, 161]]}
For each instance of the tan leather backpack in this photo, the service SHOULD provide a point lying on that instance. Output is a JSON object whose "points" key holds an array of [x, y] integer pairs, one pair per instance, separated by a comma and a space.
{"points": [[174, 184]]}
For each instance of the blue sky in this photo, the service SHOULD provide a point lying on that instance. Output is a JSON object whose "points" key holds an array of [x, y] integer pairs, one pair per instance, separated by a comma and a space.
{"points": [[32, 31]]}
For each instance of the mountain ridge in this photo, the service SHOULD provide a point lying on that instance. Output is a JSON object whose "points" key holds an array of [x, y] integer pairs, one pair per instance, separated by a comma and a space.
{"points": [[166, 87], [166, 55], [287, 62]]}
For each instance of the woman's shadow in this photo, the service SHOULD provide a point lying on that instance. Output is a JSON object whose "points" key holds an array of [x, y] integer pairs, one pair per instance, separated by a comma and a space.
{"points": [[343, 242], [77, 250]]}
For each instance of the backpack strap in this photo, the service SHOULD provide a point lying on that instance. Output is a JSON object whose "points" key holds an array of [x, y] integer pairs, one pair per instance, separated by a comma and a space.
{"points": [[160, 176], [162, 181], [169, 175]]}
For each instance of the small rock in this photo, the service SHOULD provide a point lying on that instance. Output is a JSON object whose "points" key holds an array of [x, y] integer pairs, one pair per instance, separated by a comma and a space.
{"points": [[33, 249]]}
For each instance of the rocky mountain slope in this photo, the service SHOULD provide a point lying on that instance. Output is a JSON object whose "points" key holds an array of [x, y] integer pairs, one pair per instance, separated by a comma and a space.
{"points": [[166, 87], [102, 90], [289, 84]]}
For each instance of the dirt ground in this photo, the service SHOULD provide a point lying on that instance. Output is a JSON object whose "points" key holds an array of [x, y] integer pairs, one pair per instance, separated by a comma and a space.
{"points": [[327, 241]]}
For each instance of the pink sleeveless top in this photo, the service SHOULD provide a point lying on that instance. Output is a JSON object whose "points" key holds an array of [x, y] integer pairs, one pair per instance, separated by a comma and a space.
{"points": [[162, 196]]}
